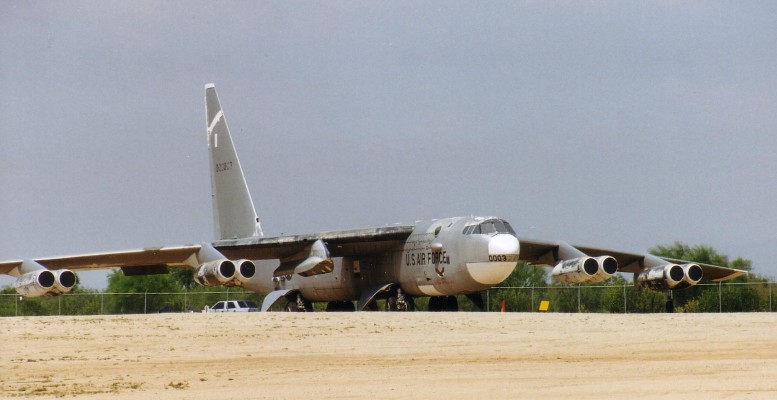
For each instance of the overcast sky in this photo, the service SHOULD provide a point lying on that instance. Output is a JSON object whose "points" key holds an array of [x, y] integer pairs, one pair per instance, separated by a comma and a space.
{"points": [[622, 125]]}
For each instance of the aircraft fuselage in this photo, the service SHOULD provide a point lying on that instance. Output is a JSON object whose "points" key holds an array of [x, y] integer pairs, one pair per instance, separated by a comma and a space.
{"points": [[445, 257]]}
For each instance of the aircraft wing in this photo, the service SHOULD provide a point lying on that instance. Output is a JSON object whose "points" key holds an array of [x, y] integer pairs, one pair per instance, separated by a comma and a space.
{"points": [[547, 253], [350, 243], [357, 242], [135, 260]]}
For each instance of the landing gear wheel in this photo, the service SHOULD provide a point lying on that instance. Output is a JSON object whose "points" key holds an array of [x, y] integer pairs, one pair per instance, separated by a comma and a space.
{"points": [[436, 304], [335, 306], [451, 304], [299, 304], [402, 300], [391, 304], [398, 301]]}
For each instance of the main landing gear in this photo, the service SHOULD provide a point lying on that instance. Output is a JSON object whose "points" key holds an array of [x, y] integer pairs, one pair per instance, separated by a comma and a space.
{"points": [[298, 304], [451, 303], [397, 300], [340, 306], [443, 303]]}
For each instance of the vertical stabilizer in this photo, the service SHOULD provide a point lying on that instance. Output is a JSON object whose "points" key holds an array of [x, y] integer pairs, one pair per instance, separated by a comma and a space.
{"points": [[234, 215]]}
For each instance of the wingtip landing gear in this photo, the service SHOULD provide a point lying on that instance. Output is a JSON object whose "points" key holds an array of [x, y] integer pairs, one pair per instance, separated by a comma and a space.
{"points": [[670, 303]]}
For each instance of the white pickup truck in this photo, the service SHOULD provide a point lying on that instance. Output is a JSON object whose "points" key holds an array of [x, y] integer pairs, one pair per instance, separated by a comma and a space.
{"points": [[233, 306]]}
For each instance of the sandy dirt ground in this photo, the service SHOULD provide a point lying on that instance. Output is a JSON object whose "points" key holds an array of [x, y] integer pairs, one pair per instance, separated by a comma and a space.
{"points": [[396, 355]]}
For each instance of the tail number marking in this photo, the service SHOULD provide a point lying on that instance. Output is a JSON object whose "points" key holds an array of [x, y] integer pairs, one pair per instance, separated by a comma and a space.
{"points": [[225, 166]]}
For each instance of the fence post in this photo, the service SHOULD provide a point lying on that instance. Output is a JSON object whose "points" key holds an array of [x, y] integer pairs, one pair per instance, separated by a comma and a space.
{"points": [[101, 303], [145, 301], [16, 300], [59, 298], [720, 298], [532, 298], [770, 297]]}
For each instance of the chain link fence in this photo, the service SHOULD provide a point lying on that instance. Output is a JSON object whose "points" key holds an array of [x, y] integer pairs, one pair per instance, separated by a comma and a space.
{"points": [[98, 303], [712, 297], [717, 297]]}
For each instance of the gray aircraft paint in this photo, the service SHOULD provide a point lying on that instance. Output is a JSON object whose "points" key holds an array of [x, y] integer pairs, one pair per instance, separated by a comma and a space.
{"points": [[234, 215], [461, 266]]}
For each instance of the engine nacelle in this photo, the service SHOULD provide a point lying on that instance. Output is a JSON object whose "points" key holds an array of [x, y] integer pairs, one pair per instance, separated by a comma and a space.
{"points": [[692, 275], [43, 282], [607, 267], [65, 282], [244, 272], [664, 277], [215, 273], [576, 270]]}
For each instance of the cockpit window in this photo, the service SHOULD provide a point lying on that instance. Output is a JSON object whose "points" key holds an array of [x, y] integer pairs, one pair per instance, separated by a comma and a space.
{"points": [[489, 227]]}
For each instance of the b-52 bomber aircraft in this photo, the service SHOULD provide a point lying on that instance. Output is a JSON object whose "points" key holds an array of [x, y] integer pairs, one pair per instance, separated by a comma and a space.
{"points": [[440, 258]]}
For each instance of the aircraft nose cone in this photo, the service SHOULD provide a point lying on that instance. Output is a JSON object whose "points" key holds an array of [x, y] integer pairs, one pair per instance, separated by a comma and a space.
{"points": [[506, 245], [502, 258]]}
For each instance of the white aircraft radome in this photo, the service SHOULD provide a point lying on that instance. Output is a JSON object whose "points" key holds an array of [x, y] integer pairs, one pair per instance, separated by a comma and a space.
{"points": [[440, 258]]}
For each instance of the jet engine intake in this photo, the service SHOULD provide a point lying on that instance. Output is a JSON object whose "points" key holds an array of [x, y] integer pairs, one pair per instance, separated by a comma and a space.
{"points": [[244, 272], [43, 282], [607, 267], [664, 277], [693, 274], [576, 270], [65, 282], [216, 273]]}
